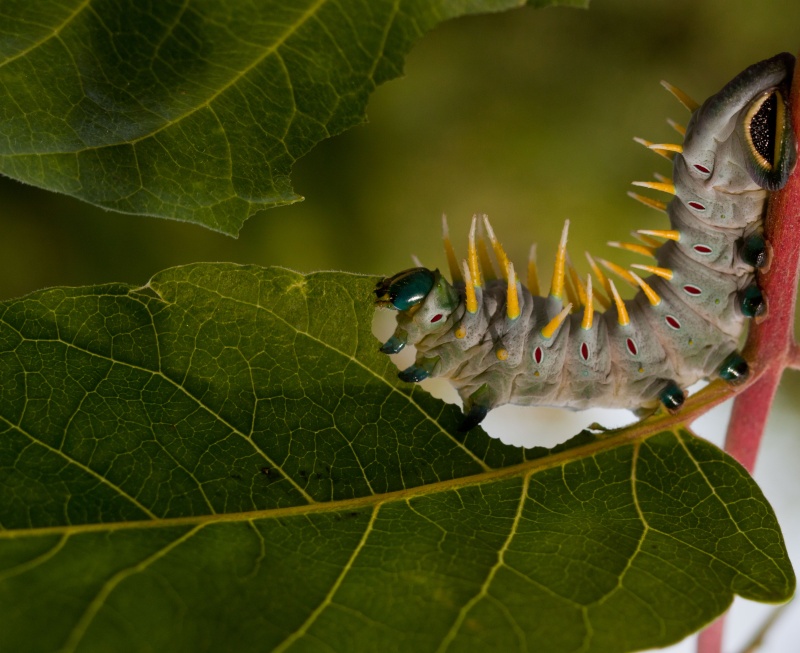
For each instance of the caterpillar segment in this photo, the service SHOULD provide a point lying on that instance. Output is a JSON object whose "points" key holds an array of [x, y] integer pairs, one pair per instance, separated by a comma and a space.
{"points": [[582, 345]]}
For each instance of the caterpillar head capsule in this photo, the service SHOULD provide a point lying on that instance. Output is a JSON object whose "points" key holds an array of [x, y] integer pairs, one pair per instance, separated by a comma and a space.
{"points": [[752, 107], [771, 152]]}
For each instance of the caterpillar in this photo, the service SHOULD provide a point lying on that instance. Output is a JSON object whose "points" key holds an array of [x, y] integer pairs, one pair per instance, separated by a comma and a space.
{"points": [[499, 342]]}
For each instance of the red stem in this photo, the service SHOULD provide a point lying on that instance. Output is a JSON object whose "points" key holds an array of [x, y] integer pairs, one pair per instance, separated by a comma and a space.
{"points": [[770, 345], [710, 639], [794, 358]]}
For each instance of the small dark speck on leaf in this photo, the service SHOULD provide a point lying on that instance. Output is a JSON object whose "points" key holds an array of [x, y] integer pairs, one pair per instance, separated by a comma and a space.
{"points": [[266, 471]]}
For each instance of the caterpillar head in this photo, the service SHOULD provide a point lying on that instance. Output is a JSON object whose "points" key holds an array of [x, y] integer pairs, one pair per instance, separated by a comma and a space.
{"points": [[771, 151], [424, 299], [753, 109]]}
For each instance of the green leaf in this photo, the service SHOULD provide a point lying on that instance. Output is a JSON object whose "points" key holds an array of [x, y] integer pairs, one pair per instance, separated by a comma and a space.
{"points": [[221, 460], [196, 111]]}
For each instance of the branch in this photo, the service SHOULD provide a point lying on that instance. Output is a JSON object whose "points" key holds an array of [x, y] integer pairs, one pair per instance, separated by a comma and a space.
{"points": [[770, 345], [794, 358]]}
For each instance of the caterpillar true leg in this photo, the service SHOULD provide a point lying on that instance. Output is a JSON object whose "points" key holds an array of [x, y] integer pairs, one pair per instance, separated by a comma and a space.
{"points": [[499, 342]]}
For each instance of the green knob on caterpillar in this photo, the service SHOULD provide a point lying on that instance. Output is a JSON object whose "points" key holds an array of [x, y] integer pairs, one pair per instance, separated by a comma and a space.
{"points": [[734, 369], [752, 301], [413, 374], [672, 396], [476, 407], [405, 289], [420, 371], [392, 346], [472, 418], [753, 250]]}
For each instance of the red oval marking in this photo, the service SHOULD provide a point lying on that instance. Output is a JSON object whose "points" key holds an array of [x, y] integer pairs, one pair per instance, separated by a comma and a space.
{"points": [[631, 347], [702, 169], [702, 249], [673, 322], [698, 206], [538, 355], [584, 351], [692, 290], [436, 317]]}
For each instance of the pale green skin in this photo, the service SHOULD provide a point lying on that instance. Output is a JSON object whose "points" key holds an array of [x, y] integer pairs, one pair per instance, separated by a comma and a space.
{"points": [[711, 324]]}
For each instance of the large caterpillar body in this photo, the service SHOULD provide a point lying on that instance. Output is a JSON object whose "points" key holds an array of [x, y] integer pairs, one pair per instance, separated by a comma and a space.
{"points": [[499, 342]]}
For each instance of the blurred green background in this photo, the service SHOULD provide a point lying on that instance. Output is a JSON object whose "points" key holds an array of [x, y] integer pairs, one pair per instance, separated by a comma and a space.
{"points": [[527, 116]]}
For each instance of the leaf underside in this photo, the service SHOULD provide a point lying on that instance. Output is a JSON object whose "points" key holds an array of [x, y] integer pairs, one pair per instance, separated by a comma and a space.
{"points": [[193, 111], [221, 460]]}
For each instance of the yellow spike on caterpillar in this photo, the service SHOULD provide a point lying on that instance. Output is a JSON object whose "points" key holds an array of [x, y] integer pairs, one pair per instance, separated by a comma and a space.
{"points": [[588, 308], [666, 147], [664, 273], [577, 284], [647, 240], [647, 201], [670, 234], [549, 330], [572, 294], [533, 272], [604, 301], [652, 295], [499, 252], [656, 185], [499, 343], [449, 252], [597, 271], [487, 266], [621, 272], [662, 178], [472, 257], [632, 247], [649, 145], [557, 284], [471, 301], [512, 298], [682, 97], [677, 126], [623, 319]]}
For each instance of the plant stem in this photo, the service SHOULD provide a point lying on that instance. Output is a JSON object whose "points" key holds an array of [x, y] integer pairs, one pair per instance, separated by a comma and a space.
{"points": [[794, 359], [770, 344]]}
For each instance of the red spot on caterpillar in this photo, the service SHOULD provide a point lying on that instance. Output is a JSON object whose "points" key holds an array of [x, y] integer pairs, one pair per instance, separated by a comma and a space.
{"points": [[584, 351], [436, 318], [689, 289], [697, 205], [673, 322], [702, 249], [538, 355], [702, 169], [631, 347]]}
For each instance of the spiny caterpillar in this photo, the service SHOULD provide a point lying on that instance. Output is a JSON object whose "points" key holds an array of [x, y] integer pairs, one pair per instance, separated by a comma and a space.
{"points": [[499, 342]]}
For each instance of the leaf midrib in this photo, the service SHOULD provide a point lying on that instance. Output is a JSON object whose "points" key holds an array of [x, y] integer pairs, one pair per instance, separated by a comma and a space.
{"points": [[366, 501]]}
